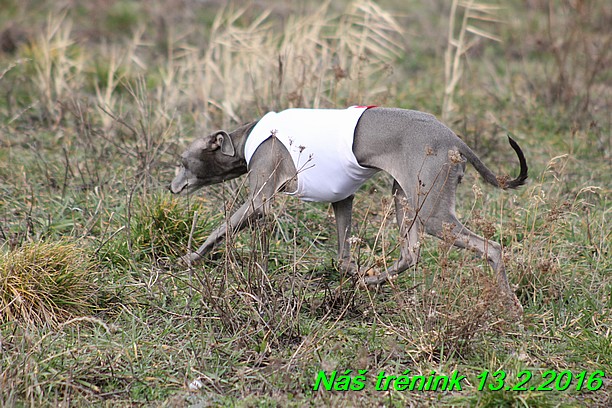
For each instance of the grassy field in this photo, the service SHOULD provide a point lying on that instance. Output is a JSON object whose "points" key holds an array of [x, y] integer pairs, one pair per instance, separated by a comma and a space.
{"points": [[98, 99]]}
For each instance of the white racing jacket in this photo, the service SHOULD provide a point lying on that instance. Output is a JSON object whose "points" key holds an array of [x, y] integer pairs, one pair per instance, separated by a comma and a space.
{"points": [[320, 142]]}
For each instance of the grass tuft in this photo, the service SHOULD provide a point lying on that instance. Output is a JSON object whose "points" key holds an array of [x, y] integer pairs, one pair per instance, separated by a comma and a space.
{"points": [[162, 226], [46, 282], [95, 111], [159, 228]]}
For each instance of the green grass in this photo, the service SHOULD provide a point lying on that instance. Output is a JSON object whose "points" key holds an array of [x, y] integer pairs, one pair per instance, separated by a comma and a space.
{"points": [[46, 282], [94, 309]]}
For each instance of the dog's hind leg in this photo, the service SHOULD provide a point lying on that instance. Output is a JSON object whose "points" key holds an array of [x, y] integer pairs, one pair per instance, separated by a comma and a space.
{"points": [[409, 229], [490, 250]]}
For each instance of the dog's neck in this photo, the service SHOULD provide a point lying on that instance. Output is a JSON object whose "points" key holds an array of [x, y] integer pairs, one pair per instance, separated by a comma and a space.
{"points": [[236, 165], [239, 137]]}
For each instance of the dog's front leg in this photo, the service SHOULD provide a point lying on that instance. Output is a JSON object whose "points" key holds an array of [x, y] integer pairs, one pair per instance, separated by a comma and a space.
{"points": [[343, 211], [242, 217], [271, 168]]}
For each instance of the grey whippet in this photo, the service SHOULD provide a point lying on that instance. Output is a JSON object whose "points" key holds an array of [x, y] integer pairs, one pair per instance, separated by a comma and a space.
{"points": [[425, 158]]}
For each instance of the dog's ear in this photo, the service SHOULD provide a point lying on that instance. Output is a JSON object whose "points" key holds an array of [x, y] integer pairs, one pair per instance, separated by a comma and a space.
{"points": [[223, 141]]}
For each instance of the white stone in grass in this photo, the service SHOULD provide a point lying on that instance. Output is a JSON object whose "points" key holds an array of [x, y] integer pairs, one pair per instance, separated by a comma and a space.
{"points": [[195, 385]]}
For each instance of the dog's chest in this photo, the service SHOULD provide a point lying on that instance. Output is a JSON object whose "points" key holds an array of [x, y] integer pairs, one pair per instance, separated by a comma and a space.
{"points": [[320, 142]]}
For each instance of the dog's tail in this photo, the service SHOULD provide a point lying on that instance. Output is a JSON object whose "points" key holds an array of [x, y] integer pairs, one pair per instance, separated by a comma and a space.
{"points": [[490, 177]]}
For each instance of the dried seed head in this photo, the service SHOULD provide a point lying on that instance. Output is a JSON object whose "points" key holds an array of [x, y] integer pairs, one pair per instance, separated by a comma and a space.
{"points": [[502, 181], [455, 157], [339, 73], [354, 240]]}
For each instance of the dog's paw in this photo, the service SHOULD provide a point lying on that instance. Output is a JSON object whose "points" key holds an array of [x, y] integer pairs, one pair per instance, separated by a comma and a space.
{"points": [[189, 259], [515, 308], [372, 277], [348, 267]]}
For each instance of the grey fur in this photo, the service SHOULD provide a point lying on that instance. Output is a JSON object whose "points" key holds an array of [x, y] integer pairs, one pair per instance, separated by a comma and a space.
{"points": [[425, 158]]}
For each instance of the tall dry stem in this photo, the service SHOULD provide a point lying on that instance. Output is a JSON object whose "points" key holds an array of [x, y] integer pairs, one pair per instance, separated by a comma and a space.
{"points": [[116, 65], [459, 44], [317, 60], [58, 66]]}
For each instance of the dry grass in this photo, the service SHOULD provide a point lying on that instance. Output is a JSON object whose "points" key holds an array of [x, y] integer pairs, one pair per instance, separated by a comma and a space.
{"points": [[57, 66], [46, 283], [316, 60], [93, 113], [459, 44]]}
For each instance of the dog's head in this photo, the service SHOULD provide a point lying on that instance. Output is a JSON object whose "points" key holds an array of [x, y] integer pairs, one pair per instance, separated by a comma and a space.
{"points": [[209, 160]]}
